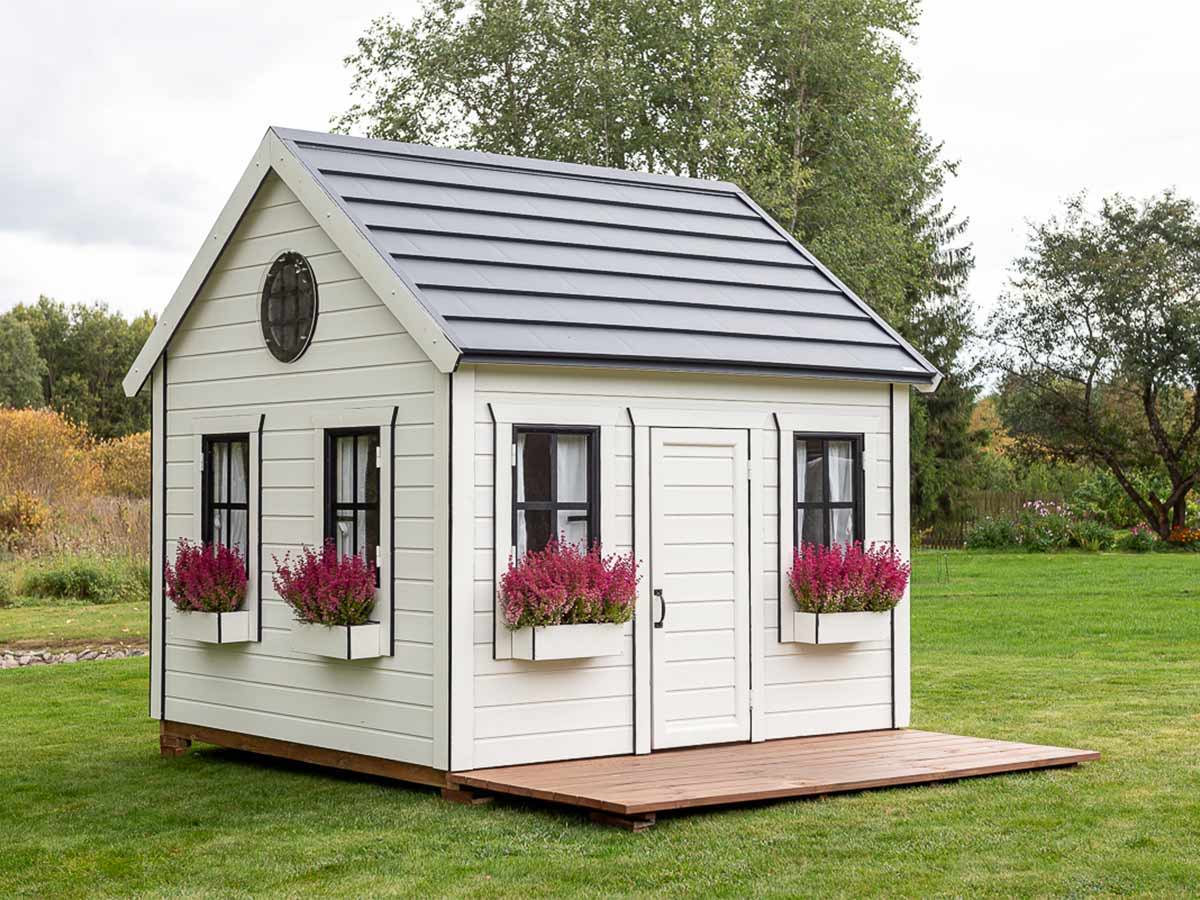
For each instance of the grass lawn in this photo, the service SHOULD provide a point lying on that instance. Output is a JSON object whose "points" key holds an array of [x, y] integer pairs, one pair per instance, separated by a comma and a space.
{"points": [[1098, 651], [50, 624]]}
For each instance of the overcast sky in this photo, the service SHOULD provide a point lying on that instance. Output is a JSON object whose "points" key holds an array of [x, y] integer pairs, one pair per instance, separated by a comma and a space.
{"points": [[128, 123]]}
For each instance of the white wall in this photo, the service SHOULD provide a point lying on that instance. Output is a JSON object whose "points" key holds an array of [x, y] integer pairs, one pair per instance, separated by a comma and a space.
{"points": [[360, 357], [528, 712]]}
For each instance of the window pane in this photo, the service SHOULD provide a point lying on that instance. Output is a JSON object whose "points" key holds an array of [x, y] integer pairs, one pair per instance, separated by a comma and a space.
{"points": [[810, 525], [345, 469], [363, 463], [573, 526], [841, 471], [371, 531], [343, 537], [360, 535], [217, 518], [220, 459], [810, 472], [369, 485], [533, 467], [533, 530], [572, 468], [238, 533], [843, 526], [240, 471]]}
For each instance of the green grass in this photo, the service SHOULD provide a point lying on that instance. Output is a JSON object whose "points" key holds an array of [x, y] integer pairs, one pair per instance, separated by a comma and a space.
{"points": [[42, 624], [1099, 651]]}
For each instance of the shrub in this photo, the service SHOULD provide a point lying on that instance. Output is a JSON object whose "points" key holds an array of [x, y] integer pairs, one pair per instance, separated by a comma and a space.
{"points": [[23, 517], [1042, 527], [44, 454], [563, 584], [206, 578], [847, 578], [1184, 537], [992, 534], [89, 579], [1090, 535], [324, 590], [124, 465], [1139, 539]]}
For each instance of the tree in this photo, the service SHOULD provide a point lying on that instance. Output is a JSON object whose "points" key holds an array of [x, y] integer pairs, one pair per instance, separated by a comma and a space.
{"points": [[809, 106], [1099, 346], [21, 367], [87, 350]]}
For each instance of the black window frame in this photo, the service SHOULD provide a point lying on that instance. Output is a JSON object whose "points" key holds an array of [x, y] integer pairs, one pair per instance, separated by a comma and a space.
{"points": [[333, 505], [208, 504], [592, 504], [303, 340], [856, 505]]}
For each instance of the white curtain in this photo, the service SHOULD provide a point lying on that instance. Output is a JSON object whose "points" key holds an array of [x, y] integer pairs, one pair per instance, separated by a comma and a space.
{"points": [[841, 472]]}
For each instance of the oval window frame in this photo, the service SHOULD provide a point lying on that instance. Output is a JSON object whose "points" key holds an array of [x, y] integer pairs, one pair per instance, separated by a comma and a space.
{"points": [[273, 346]]}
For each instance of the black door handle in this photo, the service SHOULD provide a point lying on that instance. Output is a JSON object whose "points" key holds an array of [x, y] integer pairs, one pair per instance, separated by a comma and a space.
{"points": [[662, 616]]}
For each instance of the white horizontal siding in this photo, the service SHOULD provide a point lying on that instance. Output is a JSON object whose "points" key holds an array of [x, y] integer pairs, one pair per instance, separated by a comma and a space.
{"points": [[527, 712], [360, 356]]}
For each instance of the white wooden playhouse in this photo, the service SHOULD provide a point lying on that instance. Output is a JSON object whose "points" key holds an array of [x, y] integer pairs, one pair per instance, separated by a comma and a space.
{"points": [[440, 358]]}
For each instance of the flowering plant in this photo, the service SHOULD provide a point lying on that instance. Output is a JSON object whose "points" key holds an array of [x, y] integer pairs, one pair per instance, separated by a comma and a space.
{"points": [[564, 585], [847, 578], [1183, 535], [325, 590], [206, 578]]}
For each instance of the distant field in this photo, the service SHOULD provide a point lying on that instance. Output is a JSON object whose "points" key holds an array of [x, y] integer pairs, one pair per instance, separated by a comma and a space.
{"points": [[1095, 651]]}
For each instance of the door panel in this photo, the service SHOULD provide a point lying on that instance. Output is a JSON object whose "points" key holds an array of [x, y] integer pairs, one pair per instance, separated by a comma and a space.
{"points": [[699, 509]]}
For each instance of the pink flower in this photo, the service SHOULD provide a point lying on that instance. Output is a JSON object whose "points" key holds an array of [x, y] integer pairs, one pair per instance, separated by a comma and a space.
{"points": [[206, 578], [325, 590], [565, 585], [847, 578]]}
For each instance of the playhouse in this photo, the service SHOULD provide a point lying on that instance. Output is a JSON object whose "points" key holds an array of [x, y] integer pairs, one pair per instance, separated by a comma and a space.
{"points": [[440, 359]]}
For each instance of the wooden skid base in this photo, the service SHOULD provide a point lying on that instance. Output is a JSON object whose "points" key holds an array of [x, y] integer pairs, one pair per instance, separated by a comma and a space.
{"points": [[629, 823], [176, 737], [629, 790], [465, 797]]}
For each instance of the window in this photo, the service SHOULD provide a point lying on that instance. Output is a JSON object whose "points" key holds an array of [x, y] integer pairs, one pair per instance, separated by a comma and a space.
{"points": [[352, 492], [555, 473], [828, 489], [225, 507], [288, 313]]}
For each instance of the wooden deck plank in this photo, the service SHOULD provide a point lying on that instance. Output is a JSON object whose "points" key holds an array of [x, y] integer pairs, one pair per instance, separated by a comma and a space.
{"points": [[741, 773]]}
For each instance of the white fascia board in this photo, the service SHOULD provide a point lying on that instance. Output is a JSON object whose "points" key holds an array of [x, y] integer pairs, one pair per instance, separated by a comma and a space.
{"points": [[273, 155], [857, 300], [193, 279]]}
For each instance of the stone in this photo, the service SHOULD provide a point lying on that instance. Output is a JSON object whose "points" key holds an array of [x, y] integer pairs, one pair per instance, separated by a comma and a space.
{"points": [[70, 657], [88, 654], [8, 663], [25, 660]]}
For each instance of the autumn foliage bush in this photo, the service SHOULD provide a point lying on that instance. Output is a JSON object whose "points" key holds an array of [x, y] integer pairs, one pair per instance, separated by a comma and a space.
{"points": [[324, 590], [62, 492], [565, 585], [206, 578], [847, 578]]}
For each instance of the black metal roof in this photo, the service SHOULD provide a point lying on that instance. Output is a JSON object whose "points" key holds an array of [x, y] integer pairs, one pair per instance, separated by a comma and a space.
{"points": [[534, 261]]}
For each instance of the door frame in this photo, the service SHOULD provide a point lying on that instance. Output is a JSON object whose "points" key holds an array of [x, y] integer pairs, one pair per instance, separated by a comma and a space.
{"points": [[756, 422]]}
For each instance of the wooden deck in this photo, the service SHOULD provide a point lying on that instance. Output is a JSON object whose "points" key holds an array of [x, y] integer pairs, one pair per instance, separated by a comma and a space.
{"points": [[630, 790]]}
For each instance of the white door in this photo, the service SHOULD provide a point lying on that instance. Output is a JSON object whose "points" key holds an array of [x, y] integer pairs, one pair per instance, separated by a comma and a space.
{"points": [[699, 509]]}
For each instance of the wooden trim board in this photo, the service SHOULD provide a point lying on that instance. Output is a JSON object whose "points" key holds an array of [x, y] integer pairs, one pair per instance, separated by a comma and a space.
{"points": [[751, 772], [174, 737]]}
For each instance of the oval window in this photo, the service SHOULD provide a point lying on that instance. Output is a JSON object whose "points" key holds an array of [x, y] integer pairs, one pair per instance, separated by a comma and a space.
{"points": [[289, 307]]}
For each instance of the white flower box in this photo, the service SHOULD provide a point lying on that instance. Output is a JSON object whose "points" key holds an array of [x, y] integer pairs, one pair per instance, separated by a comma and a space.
{"points": [[337, 641], [842, 627], [569, 641], [210, 627]]}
